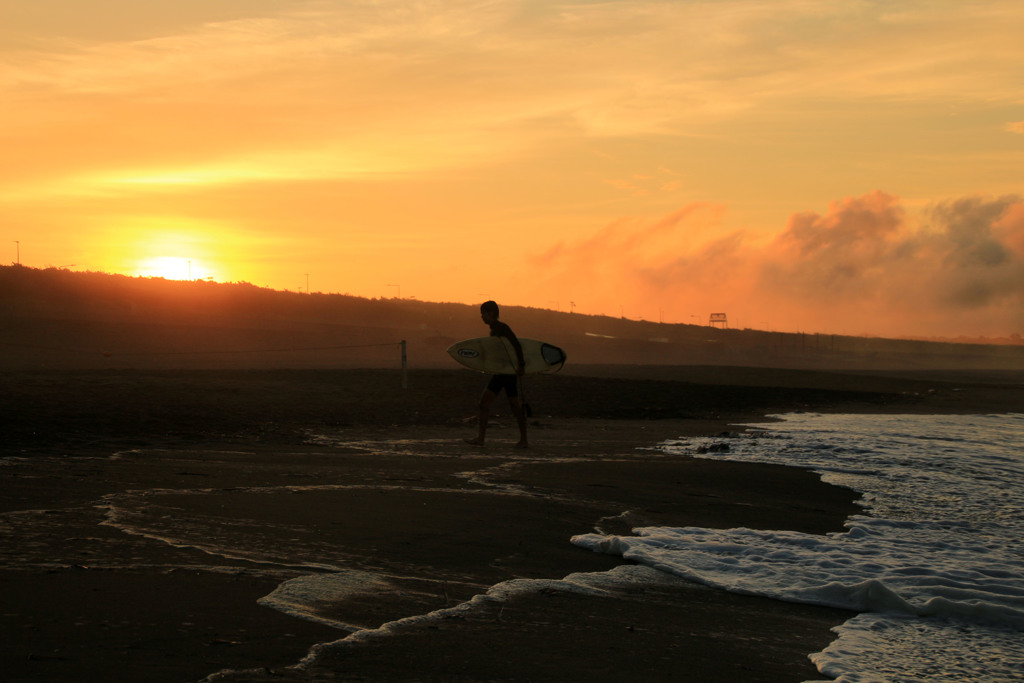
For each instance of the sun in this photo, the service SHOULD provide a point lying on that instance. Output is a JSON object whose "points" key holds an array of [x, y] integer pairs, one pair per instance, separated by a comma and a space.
{"points": [[169, 248], [167, 267]]}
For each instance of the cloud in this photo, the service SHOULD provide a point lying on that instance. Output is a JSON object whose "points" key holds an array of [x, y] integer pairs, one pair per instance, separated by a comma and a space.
{"points": [[824, 255], [864, 258], [630, 240], [324, 90], [983, 264], [1016, 127], [614, 67], [863, 265], [635, 263]]}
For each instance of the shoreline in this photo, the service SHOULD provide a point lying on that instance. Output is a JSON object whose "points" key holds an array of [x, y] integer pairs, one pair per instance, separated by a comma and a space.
{"points": [[85, 600]]}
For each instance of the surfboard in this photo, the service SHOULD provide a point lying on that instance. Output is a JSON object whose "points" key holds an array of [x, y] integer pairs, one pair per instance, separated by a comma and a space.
{"points": [[495, 355]]}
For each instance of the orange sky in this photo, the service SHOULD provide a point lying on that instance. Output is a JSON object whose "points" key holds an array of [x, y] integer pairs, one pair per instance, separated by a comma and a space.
{"points": [[801, 165]]}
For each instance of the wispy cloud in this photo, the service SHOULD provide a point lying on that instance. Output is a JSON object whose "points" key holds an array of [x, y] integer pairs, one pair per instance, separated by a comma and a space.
{"points": [[619, 68]]}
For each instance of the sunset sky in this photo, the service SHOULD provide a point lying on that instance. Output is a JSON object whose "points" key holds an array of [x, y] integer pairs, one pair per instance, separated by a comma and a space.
{"points": [[801, 165]]}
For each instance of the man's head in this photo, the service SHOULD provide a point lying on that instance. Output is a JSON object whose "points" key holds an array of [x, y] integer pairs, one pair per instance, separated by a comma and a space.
{"points": [[489, 311]]}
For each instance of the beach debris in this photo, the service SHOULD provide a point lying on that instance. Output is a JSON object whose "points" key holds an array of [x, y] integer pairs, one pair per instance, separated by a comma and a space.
{"points": [[718, 447], [223, 641]]}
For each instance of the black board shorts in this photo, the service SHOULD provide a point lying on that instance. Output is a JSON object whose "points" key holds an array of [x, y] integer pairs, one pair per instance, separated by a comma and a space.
{"points": [[510, 383]]}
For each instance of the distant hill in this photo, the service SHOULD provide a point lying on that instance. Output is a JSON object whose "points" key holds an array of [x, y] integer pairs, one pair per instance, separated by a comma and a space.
{"points": [[55, 318]]}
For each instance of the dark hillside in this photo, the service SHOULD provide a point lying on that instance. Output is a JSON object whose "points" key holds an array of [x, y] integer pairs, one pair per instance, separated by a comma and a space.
{"points": [[56, 318]]}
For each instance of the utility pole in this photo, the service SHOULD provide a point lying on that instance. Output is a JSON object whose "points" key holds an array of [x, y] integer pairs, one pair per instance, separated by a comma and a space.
{"points": [[405, 367]]}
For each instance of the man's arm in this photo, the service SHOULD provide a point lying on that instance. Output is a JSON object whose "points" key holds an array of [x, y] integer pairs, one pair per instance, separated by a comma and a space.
{"points": [[506, 331], [519, 352]]}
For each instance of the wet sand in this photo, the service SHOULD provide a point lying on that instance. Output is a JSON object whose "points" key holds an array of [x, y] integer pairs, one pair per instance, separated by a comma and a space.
{"points": [[433, 520]]}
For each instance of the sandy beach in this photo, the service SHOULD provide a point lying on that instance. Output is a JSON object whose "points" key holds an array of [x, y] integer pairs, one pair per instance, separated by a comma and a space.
{"points": [[146, 512]]}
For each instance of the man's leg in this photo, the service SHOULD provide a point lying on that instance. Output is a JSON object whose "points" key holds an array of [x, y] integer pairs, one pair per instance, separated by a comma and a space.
{"points": [[486, 399], [517, 410]]}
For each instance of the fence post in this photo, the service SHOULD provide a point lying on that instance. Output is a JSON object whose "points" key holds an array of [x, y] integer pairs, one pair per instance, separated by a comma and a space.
{"points": [[405, 368]]}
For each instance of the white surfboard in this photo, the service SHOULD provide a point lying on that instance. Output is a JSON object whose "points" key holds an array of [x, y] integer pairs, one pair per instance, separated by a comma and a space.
{"points": [[495, 355]]}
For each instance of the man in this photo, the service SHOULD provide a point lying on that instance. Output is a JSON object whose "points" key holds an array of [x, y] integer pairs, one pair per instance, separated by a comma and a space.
{"points": [[497, 383]]}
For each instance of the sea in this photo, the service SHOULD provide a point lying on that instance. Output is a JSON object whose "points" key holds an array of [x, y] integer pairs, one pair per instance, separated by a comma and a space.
{"points": [[933, 566]]}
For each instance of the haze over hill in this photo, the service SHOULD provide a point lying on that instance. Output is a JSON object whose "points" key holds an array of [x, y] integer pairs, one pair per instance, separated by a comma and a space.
{"points": [[56, 318]]}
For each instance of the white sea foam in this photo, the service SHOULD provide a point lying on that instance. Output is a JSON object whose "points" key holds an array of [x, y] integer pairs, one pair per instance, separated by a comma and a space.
{"points": [[936, 565], [586, 583], [306, 591], [304, 596]]}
